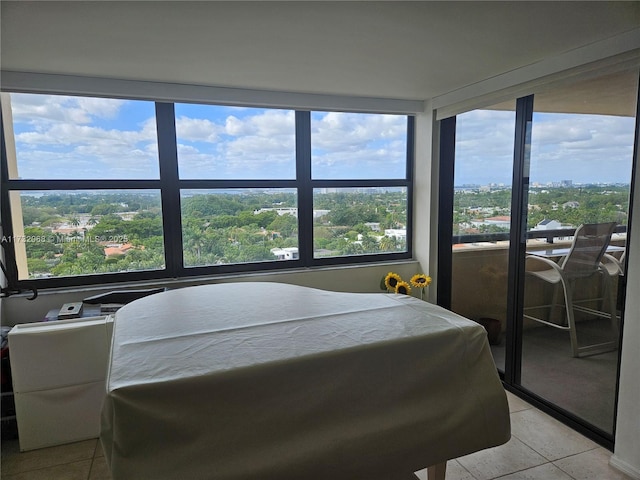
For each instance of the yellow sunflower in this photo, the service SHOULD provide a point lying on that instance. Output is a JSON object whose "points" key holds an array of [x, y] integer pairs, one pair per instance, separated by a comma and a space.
{"points": [[420, 280], [391, 280], [403, 287]]}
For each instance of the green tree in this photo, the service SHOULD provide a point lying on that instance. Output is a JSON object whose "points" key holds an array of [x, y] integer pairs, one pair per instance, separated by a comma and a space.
{"points": [[144, 225], [104, 209], [108, 226], [388, 244], [286, 225]]}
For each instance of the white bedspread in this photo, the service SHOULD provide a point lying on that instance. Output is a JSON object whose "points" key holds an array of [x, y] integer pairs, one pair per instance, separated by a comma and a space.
{"points": [[269, 381]]}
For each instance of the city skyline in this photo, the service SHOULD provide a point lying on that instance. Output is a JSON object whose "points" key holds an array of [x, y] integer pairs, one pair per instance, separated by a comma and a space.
{"points": [[553, 184]]}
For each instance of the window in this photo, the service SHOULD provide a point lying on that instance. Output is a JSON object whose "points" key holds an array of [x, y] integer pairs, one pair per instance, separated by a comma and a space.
{"points": [[79, 232], [98, 190], [238, 226], [358, 146], [361, 196], [358, 221], [60, 151], [62, 137], [235, 143]]}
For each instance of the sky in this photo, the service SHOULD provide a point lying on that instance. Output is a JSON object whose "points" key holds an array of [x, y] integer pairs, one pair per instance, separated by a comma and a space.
{"points": [[577, 147], [60, 137]]}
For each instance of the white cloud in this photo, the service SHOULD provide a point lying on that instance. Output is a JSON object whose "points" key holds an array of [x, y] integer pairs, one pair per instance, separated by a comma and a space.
{"points": [[65, 137], [44, 109], [274, 123], [70, 135], [266, 123], [351, 145], [582, 148], [100, 107], [251, 146], [87, 163], [193, 163], [337, 131], [483, 134], [149, 130], [197, 130]]}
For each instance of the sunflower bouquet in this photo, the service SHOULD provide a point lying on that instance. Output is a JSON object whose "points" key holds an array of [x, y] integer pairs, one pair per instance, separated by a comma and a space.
{"points": [[392, 282]]}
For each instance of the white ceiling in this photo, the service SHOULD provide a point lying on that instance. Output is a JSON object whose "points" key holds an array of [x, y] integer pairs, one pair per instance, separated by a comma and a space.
{"points": [[404, 50]]}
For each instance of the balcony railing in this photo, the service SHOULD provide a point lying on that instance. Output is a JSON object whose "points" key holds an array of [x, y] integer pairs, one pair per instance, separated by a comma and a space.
{"points": [[548, 235]]}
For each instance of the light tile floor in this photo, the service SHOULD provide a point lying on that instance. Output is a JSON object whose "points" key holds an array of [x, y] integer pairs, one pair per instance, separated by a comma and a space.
{"points": [[541, 448]]}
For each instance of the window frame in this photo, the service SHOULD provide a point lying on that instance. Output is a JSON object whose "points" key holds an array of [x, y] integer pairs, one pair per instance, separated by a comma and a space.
{"points": [[170, 185]]}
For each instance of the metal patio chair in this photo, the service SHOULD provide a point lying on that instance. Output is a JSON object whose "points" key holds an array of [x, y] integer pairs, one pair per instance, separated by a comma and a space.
{"points": [[583, 262], [613, 265]]}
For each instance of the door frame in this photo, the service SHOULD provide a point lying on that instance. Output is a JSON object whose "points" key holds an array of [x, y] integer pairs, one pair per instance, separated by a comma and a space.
{"points": [[511, 376]]}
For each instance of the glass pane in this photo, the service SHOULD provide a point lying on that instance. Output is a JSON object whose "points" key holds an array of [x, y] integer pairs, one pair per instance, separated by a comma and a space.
{"points": [[481, 219], [68, 233], [581, 159], [348, 146], [240, 226], [219, 143], [359, 221], [79, 138]]}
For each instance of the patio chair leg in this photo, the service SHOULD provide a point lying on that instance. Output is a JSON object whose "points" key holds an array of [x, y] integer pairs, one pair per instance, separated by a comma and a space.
{"points": [[607, 309], [554, 304], [609, 296], [571, 321]]}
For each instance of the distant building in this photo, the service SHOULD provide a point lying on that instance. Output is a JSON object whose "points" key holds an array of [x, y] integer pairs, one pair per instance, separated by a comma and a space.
{"points": [[117, 249], [289, 253], [375, 226], [279, 210], [290, 211], [548, 225], [399, 233], [551, 225], [500, 221], [126, 216]]}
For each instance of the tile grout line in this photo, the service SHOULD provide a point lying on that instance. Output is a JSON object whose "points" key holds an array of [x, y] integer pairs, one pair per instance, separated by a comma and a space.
{"points": [[466, 470], [518, 471], [573, 455], [93, 461], [28, 469], [31, 470], [554, 460]]}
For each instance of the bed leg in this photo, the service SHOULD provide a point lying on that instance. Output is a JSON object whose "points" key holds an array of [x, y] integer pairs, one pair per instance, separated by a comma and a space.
{"points": [[437, 471]]}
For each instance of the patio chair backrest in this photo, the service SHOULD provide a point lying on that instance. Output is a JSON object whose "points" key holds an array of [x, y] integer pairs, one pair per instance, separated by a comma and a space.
{"points": [[590, 242]]}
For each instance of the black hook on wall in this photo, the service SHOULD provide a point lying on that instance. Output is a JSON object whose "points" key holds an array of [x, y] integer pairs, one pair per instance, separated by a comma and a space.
{"points": [[7, 291]]}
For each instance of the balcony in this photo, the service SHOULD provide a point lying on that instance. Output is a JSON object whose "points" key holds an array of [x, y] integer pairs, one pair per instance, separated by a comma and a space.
{"points": [[584, 387]]}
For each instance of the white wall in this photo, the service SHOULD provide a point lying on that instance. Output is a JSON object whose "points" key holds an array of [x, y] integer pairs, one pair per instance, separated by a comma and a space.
{"points": [[425, 236], [627, 448], [17, 309]]}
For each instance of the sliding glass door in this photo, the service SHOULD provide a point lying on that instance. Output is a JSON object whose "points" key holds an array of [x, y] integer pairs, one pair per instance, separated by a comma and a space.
{"points": [[580, 173], [520, 178], [481, 219]]}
